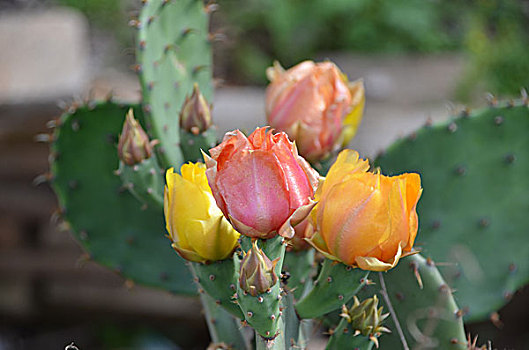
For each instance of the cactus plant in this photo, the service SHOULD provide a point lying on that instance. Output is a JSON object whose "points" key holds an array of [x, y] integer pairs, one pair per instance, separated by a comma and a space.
{"points": [[257, 280], [472, 214]]}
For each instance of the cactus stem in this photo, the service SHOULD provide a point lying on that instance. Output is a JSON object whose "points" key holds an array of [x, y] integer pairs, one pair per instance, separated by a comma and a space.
{"points": [[164, 276], [436, 224], [452, 127], [507, 295]]}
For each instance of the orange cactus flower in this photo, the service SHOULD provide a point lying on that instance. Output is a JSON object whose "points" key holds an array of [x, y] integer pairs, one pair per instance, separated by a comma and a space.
{"points": [[365, 219]]}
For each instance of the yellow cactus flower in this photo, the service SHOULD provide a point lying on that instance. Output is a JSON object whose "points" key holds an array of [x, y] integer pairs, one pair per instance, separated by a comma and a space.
{"points": [[365, 219], [195, 224]]}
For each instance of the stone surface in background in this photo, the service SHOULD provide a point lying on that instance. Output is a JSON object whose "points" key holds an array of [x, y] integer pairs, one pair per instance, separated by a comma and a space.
{"points": [[44, 55]]}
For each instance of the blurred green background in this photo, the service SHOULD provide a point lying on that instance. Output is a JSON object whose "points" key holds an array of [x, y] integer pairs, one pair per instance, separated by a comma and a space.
{"points": [[493, 35]]}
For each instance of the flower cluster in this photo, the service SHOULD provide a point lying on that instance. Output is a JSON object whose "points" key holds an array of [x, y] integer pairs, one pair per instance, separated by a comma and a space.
{"points": [[262, 187]]}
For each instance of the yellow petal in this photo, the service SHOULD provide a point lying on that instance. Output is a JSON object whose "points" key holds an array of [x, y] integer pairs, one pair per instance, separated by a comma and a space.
{"points": [[352, 120], [373, 264]]}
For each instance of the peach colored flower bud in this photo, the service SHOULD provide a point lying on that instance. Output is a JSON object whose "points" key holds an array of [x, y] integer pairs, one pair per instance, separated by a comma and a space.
{"points": [[261, 183], [134, 145], [257, 274], [364, 219], [195, 116], [315, 105]]}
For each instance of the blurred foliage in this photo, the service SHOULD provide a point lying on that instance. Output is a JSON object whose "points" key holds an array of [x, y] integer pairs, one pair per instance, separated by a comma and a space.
{"points": [[494, 34], [110, 16], [293, 30], [497, 44]]}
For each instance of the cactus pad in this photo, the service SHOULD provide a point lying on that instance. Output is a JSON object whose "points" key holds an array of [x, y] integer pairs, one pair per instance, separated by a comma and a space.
{"points": [[473, 213], [107, 220], [173, 53], [428, 316], [336, 285]]}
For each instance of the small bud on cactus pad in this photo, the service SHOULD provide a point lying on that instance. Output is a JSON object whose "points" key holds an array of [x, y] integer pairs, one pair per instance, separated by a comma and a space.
{"points": [[366, 317], [195, 116], [134, 145], [257, 271]]}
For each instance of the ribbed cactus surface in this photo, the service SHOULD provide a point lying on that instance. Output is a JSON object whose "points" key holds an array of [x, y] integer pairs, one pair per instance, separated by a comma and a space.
{"points": [[473, 213]]}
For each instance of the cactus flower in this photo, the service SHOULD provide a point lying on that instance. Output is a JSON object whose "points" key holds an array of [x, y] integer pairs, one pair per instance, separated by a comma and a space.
{"points": [[261, 183], [257, 273], [195, 224], [195, 116], [315, 105], [134, 145], [365, 219]]}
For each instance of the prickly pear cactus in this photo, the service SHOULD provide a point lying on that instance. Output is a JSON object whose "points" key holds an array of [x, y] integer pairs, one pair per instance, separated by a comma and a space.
{"points": [[473, 211], [108, 221], [173, 53]]}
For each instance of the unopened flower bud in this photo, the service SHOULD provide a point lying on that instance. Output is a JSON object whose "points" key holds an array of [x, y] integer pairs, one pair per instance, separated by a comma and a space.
{"points": [[366, 318], [134, 145], [257, 273], [195, 116]]}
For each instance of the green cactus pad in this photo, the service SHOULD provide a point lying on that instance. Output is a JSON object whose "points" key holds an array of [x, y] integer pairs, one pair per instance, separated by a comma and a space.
{"points": [[107, 220], [336, 285], [428, 316], [473, 212], [300, 267], [262, 312], [173, 53], [219, 280], [343, 337], [145, 181], [192, 144], [223, 327]]}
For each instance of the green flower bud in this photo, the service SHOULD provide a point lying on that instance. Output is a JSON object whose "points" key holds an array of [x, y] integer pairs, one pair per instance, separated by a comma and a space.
{"points": [[257, 271], [195, 116], [366, 318], [134, 145]]}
